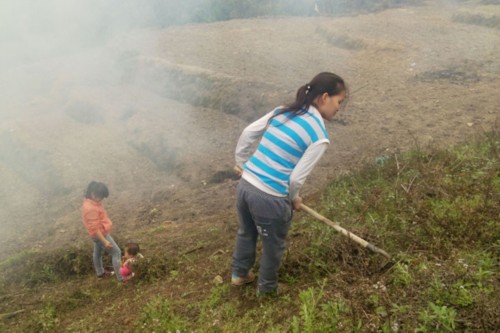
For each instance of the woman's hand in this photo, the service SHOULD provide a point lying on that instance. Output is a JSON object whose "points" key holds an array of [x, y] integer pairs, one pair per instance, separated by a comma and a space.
{"points": [[108, 244], [296, 203], [238, 170]]}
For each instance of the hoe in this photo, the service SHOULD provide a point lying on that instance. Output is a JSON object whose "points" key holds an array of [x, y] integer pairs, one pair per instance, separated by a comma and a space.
{"points": [[346, 233]]}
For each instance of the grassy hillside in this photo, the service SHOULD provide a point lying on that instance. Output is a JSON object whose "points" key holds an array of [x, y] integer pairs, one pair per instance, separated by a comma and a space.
{"points": [[435, 211]]}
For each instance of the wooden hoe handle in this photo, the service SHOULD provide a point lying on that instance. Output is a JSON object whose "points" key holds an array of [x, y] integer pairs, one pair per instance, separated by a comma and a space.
{"points": [[345, 232]]}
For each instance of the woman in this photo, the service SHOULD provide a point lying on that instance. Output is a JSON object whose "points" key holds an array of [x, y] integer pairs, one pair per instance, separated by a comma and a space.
{"points": [[291, 140]]}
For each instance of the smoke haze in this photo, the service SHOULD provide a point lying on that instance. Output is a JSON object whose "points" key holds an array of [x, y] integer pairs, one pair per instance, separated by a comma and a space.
{"points": [[120, 92]]}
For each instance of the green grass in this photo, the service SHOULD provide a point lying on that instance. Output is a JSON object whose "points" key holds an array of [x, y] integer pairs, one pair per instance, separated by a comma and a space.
{"points": [[31, 268], [434, 211], [44, 320], [157, 316]]}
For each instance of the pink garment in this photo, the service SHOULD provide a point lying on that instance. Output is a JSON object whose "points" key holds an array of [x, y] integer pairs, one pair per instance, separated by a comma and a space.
{"points": [[125, 271]]}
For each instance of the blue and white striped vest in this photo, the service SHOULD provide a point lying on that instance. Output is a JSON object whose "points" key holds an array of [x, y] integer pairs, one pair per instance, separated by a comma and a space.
{"points": [[286, 139]]}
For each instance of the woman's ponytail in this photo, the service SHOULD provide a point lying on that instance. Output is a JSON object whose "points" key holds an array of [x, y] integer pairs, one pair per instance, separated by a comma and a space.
{"points": [[324, 82]]}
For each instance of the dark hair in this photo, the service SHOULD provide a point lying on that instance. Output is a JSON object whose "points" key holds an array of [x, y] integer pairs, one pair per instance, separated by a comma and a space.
{"points": [[132, 248], [99, 190], [324, 82]]}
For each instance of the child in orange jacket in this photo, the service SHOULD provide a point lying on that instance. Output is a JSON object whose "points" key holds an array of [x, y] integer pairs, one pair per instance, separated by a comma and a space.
{"points": [[98, 225]]}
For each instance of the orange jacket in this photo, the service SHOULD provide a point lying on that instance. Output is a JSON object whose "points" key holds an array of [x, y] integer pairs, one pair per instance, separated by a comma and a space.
{"points": [[95, 218]]}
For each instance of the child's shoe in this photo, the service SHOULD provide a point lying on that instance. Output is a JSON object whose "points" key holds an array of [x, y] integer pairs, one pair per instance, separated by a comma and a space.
{"points": [[105, 274], [242, 280], [126, 278]]}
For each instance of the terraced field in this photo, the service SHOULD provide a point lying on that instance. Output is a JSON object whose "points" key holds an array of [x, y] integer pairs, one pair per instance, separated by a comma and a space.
{"points": [[156, 114]]}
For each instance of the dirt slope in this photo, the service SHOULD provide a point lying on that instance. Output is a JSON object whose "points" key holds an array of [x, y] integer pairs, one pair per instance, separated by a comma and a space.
{"points": [[162, 114]]}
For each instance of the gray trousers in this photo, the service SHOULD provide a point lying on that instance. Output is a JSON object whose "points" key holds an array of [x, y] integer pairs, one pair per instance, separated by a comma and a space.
{"points": [[265, 215]]}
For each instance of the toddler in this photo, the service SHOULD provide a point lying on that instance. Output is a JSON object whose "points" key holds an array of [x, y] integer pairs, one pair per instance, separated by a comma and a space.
{"points": [[131, 254]]}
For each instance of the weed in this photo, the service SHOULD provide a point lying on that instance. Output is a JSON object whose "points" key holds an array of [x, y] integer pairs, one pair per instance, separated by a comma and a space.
{"points": [[379, 309], [437, 319], [173, 274], [400, 309], [435, 211], [213, 308], [316, 317], [153, 214], [290, 279], [44, 320], [34, 268], [485, 269], [75, 300], [401, 275], [216, 295], [308, 311], [80, 326], [157, 316], [457, 294], [265, 318], [155, 266]]}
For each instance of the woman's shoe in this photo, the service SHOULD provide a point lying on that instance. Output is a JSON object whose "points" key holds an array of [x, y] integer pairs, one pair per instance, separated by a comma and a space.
{"points": [[242, 280]]}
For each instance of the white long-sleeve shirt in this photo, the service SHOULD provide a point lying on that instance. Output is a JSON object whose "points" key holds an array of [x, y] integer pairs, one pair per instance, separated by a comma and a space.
{"points": [[251, 136]]}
